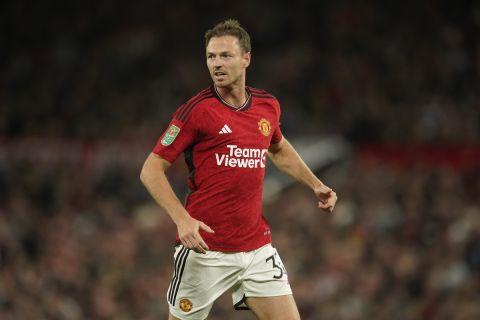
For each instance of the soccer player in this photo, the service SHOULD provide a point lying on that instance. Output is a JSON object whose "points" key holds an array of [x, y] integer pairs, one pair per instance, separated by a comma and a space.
{"points": [[223, 242]]}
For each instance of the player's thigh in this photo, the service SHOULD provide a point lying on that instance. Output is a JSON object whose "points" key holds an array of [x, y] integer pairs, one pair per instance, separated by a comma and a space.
{"points": [[199, 279], [274, 308], [171, 317]]}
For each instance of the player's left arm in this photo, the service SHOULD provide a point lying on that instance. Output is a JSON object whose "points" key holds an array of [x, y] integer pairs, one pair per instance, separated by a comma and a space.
{"points": [[286, 158]]}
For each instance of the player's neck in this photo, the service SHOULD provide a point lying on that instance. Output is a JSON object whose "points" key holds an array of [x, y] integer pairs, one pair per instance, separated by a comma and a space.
{"points": [[236, 95]]}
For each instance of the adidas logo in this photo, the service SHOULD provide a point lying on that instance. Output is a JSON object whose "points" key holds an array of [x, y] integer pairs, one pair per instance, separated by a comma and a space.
{"points": [[225, 130]]}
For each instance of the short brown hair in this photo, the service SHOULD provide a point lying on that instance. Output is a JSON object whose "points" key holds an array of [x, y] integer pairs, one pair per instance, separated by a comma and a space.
{"points": [[230, 27]]}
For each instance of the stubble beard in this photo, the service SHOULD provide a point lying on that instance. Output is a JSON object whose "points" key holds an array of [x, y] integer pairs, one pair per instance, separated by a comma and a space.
{"points": [[227, 83]]}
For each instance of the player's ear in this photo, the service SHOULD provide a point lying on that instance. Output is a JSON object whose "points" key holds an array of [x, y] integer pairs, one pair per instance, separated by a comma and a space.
{"points": [[246, 59]]}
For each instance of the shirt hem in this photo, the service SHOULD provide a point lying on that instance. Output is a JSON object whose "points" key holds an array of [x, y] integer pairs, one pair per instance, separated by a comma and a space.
{"points": [[233, 250]]}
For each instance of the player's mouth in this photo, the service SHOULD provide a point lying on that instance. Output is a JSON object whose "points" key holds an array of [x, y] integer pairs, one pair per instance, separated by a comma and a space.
{"points": [[219, 75]]}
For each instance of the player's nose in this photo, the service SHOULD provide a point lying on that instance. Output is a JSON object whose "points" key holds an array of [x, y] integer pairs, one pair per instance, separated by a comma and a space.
{"points": [[217, 63]]}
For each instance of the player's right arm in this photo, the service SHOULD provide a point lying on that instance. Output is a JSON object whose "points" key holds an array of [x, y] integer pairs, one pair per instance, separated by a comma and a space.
{"points": [[155, 180]]}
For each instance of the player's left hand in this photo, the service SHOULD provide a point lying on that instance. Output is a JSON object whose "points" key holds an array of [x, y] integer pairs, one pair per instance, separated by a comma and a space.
{"points": [[328, 198]]}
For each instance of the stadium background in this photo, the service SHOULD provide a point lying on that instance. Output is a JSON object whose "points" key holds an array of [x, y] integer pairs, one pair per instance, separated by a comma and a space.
{"points": [[87, 87]]}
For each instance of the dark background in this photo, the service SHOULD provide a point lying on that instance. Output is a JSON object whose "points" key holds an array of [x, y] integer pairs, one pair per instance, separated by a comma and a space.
{"points": [[87, 87]]}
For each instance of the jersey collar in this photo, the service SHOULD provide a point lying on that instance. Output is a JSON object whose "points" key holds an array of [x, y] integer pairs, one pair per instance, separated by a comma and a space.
{"points": [[244, 107]]}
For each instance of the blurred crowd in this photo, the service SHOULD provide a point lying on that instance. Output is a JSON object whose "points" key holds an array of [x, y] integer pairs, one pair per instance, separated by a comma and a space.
{"points": [[393, 71], [87, 87], [404, 243]]}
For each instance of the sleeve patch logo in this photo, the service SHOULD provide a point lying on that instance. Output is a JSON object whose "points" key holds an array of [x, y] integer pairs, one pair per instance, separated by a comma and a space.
{"points": [[170, 135]]}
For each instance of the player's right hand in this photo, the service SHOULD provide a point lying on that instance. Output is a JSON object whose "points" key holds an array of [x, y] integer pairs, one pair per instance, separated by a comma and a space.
{"points": [[188, 232]]}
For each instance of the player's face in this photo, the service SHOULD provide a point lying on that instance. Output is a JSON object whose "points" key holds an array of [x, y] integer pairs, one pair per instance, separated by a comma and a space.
{"points": [[226, 61]]}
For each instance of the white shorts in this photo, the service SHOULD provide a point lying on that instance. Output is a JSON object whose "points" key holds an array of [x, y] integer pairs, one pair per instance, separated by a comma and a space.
{"points": [[199, 279]]}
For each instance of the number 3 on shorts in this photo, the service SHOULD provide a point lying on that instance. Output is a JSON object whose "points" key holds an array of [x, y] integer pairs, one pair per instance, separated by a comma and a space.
{"points": [[279, 266]]}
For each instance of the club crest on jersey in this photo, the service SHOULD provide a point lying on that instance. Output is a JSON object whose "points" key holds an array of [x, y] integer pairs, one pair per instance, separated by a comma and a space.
{"points": [[264, 127], [186, 305], [170, 135]]}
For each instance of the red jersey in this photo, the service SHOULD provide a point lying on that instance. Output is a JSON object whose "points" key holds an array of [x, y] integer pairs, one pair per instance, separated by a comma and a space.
{"points": [[225, 149]]}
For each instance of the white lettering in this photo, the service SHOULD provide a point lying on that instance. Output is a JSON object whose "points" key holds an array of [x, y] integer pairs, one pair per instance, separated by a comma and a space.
{"points": [[219, 159], [255, 153], [231, 147], [264, 158], [242, 163], [238, 152], [242, 157]]}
